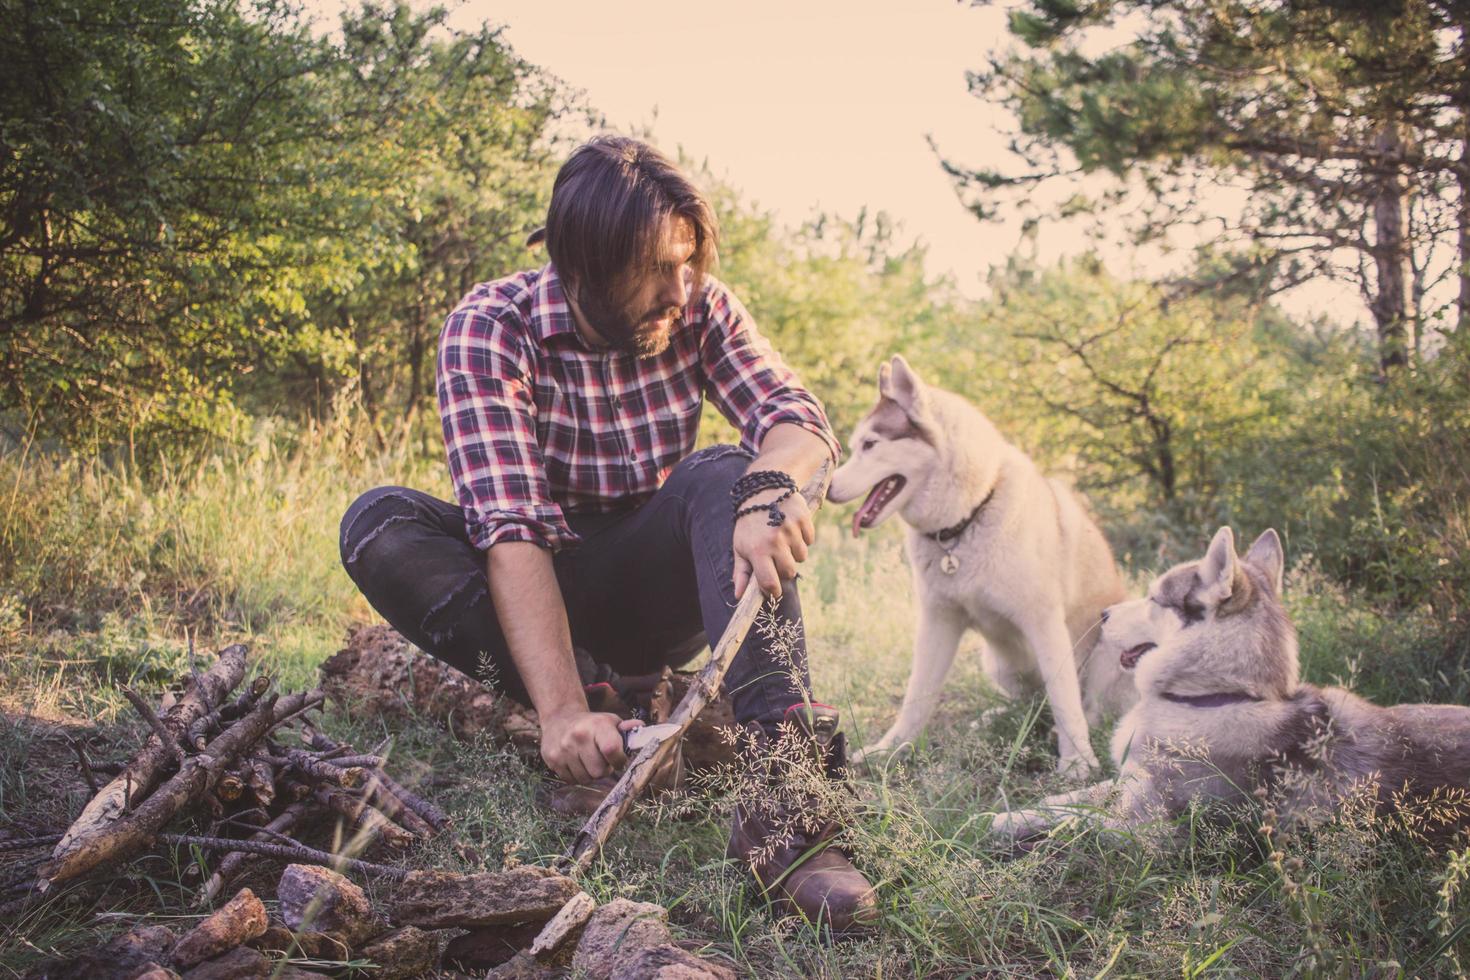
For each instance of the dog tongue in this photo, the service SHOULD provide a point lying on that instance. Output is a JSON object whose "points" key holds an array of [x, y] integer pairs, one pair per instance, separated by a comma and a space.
{"points": [[876, 498]]}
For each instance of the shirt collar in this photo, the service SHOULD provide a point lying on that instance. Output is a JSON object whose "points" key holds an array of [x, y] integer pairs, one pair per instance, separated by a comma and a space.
{"points": [[551, 315]]}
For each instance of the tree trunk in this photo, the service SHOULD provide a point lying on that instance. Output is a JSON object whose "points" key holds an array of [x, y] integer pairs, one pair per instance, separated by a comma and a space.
{"points": [[1463, 252], [1390, 302]]}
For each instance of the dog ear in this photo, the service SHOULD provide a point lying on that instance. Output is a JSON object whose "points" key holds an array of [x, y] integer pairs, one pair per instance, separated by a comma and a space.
{"points": [[1217, 570], [904, 385], [1268, 555], [885, 380]]}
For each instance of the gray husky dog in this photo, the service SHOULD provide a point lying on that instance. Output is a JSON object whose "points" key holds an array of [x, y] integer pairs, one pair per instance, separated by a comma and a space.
{"points": [[995, 547], [1222, 714]]}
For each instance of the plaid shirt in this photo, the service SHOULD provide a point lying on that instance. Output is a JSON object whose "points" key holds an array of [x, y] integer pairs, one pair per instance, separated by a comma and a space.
{"points": [[537, 424]]}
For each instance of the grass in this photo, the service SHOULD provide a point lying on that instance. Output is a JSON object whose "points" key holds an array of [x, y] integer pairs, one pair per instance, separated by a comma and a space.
{"points": [[104, 574]]}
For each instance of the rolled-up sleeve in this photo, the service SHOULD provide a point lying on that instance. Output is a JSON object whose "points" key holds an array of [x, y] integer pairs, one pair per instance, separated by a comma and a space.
{"points": [[488, 415], [748, 382]]}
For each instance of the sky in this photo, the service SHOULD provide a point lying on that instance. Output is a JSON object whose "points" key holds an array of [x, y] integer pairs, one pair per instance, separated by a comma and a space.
{"points": [[807, 106]]}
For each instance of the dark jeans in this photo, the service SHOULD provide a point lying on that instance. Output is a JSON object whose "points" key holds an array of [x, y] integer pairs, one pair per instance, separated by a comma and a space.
{"points": [[643, 590]]}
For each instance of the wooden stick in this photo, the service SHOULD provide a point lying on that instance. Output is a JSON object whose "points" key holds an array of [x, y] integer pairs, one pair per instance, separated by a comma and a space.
{"points": [[154, 722], [87, 773], [424, 809], [231, 863], [294, 852], [24, 843], [363, 816], [146, 770], [705, 688]]}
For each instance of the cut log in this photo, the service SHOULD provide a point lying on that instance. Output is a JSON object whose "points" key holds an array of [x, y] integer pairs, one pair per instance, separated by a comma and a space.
{"points": [[238, 921], [320, 899], [616, 934], [671, 963], [382, 673], [123, 837], [489, 946], [564, 928], [145, 772], [260, 776], [240, 963], [440, 899], [405, 952]]}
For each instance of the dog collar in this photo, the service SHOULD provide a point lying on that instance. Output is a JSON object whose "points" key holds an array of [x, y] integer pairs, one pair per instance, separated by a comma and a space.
{"points": [[948, 534], [1217, 700]]}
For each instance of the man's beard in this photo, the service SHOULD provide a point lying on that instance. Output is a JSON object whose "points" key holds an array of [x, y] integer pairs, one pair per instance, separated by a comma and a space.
{"points": [[624, 333]]}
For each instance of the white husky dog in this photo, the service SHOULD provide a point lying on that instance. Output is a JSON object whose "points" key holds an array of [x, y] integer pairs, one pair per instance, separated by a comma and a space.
{"points": [[995, 547], [1222, 714]]}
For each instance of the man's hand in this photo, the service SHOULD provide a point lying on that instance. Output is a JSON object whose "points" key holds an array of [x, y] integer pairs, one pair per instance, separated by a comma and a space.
{"points": [[770, 554], [580, 745]]}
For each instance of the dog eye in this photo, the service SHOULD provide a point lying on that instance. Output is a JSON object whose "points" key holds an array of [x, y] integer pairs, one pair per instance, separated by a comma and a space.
{"points": [[868, 444]]}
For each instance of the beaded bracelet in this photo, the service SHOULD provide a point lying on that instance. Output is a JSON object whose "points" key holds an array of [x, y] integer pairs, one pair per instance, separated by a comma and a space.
{"points": [[776, 516], [759, 481]]}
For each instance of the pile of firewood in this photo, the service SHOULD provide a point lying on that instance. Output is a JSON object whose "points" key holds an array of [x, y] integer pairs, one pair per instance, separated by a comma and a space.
{"points": [[247, 764], [524, 922]]}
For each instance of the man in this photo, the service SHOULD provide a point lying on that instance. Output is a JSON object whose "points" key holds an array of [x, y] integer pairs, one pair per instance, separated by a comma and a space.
{"points": [[570, 398]]}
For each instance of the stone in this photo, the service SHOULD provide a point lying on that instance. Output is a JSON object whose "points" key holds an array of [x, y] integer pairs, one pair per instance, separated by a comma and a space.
{"points": [[616, 934], [441, 899], [405, 952], [238, 921], [240, 963], [670, 963], [321, 900]]}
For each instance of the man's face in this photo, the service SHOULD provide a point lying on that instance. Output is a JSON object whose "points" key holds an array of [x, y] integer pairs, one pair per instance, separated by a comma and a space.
{"points": [[651, 300]]}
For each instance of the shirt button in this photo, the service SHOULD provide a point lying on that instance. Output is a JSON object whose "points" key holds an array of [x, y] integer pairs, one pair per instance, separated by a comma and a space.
{"points": [[633, 456]]}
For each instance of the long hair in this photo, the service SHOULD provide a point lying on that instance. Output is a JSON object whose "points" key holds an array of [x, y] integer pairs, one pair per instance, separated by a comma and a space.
{"points": [[608, 205]]}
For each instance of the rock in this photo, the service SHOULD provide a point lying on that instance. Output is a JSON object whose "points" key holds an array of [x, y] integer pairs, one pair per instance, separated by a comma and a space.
{"points": [[311, 945], [440, 899], [120, 958], [405, 952], [381, 672], [152, 971], [616, 934], [523, 966], [564, 927], [321, 900], [489, 946], [240, 963], [670, 963], [238, 921]]}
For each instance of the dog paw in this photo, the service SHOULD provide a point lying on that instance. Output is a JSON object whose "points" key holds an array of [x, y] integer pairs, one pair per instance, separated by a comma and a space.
{"points": [[1078, 767], [877, 753], [1018, 823]]}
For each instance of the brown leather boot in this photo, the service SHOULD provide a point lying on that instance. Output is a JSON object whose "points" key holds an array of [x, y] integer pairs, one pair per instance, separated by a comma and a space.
{"points": [[790, 845]]}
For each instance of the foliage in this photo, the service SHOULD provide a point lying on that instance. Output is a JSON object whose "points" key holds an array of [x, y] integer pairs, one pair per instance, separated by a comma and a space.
{"points": [[241, 545], [1341, 123], [188, 191]]}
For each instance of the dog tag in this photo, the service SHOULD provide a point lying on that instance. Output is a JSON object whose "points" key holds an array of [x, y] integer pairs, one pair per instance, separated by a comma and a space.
{"points": [[949, 564]]}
